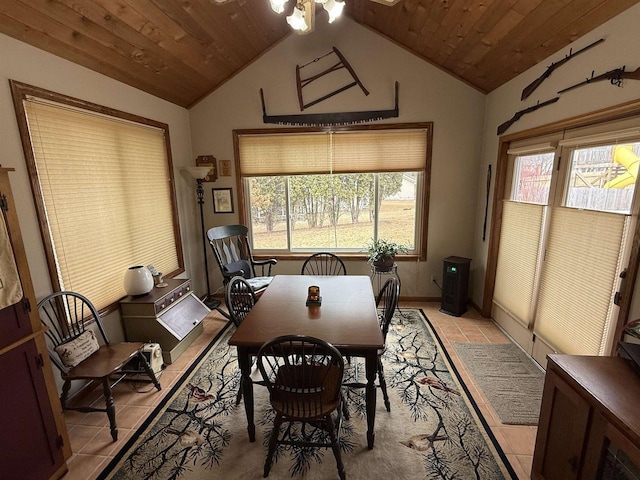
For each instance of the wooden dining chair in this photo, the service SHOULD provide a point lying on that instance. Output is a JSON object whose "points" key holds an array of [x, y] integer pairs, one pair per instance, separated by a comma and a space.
{"points": [[79, 355], [386, 303], [232, 250], [323, 263], [303, 375], [240, 299]]}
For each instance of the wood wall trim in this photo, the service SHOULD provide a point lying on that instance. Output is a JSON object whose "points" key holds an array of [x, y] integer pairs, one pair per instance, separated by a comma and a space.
{"points": [[496, 225], [598, 117]]}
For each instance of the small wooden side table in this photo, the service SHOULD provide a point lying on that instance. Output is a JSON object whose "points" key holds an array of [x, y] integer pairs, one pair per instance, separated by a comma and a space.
{"points": [[171, 316]]}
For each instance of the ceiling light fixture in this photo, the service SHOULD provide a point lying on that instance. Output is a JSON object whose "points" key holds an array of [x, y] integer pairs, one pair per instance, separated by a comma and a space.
{"points": [[302, 19], [303, 16]]}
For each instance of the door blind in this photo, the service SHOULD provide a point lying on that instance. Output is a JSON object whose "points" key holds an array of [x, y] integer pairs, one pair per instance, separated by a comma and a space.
{"points": [[518, 258], [578, 280]]}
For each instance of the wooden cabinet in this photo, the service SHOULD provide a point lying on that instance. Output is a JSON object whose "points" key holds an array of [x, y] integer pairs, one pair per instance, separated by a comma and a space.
{"points": [[34, 442], [171, 316], [589, 424]]}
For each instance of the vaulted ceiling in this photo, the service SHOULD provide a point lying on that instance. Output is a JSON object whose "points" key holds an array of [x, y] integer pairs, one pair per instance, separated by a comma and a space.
{"points": [[181, 50]]}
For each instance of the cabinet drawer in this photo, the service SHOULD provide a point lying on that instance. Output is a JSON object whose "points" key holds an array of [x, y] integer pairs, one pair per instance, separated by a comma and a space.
{"points": [[171, 297]]}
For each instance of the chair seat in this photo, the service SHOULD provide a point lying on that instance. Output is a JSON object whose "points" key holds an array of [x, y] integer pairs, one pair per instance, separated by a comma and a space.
{"points": [[103, 362], [259, 283], [302, 412]]}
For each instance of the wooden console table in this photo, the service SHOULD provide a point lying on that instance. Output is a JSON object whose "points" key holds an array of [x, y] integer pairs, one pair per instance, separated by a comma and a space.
{"points": [[171, 316], [589, 424]]}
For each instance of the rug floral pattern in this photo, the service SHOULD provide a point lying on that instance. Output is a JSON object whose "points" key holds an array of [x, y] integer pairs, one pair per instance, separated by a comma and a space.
{"points": [[431, 432]]}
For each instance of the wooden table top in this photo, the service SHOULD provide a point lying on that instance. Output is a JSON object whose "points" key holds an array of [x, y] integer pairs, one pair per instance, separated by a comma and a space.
{"points": [[347, 317], [611, 385]]}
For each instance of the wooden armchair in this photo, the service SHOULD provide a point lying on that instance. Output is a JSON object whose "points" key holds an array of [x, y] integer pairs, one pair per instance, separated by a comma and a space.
{"points": [[231, 247], [77, 353]]}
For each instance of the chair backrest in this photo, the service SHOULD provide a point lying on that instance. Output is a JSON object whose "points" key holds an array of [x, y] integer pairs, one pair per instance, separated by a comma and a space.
{"points": [[388, 301], [323, 263], [231, 248], [239, 298], [303, 375], [65, 314]]}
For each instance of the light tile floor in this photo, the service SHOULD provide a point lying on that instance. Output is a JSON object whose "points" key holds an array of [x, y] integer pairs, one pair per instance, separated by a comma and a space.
{"points": [[91, 440]]}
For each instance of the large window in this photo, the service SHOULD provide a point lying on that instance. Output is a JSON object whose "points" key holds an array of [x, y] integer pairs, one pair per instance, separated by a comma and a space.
{"points": [[103, 186], [307, 190]]}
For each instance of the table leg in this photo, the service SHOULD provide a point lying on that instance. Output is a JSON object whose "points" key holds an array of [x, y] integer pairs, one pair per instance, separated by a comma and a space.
{"points": [[371, 368], [244, 361]]}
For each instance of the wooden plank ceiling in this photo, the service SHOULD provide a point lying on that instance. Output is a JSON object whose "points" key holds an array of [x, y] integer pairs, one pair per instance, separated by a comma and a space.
{"points": [[181, 50]]}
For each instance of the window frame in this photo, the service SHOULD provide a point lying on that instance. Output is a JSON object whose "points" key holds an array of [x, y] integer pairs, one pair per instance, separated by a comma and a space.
{"points": [[422, 211], [20, 92]]}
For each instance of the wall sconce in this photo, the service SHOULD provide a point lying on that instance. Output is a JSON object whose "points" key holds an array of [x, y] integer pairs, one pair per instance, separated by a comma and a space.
{"points": [[208, 161]]}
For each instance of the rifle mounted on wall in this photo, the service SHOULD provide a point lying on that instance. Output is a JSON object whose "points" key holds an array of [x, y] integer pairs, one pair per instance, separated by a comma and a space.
{"points": [[615, 76], [528, 90], [518, 115]]}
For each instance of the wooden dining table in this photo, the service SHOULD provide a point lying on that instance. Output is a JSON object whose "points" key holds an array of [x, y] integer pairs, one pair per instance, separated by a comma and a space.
{"points": [[347, 318]]}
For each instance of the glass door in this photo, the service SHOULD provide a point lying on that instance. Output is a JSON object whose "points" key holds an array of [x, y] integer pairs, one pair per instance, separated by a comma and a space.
{"points": [[586, 248], [564, 241]]}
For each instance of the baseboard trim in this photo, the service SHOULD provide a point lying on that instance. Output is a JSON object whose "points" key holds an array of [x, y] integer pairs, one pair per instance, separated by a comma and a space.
{"points": [[420, 299]]}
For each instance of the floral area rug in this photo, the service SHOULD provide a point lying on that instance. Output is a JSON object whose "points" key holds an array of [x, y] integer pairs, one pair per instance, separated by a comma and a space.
{"points": [[434, 430]]}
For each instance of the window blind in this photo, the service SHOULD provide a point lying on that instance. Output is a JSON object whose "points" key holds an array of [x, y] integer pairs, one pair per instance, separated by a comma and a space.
{"points": [[578, 280], [106, 189], [518, 258], [600, 138], [532, 149], [337, 152]]}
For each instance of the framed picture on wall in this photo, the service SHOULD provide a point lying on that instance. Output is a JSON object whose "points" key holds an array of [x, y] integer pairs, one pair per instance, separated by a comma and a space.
{"points": [[225, 168], [222, 200]]}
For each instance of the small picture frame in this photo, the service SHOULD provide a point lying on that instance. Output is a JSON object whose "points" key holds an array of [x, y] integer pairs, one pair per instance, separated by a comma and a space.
{"points": [[222, 200], [225, 168]]}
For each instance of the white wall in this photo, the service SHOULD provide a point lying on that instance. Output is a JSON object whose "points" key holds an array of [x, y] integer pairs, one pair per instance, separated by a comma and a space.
{"points": [[27, 64], [426, 94], [620, 48]]}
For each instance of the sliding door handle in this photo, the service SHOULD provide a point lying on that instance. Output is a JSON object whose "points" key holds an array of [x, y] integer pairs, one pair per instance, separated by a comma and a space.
{"points": [[617, 298]]}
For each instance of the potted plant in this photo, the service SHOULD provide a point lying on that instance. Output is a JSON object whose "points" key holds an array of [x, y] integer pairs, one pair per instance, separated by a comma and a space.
{"points": [[382, 253]]}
